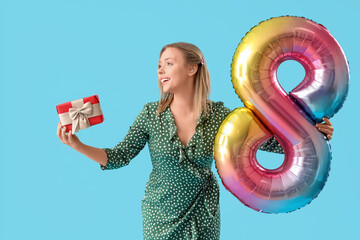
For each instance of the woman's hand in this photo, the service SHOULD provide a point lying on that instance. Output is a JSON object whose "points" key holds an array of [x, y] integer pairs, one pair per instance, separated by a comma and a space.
{"points": [[326, 128], [69, 139]]}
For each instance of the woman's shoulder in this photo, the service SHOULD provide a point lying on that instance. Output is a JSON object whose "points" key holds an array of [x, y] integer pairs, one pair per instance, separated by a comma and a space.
{"points": [[151, 106], [218, 109], [217, 106], [217, 103]]}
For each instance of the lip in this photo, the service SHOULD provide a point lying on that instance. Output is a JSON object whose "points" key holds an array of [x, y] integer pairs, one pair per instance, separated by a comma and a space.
{"points": [[164, 78]]}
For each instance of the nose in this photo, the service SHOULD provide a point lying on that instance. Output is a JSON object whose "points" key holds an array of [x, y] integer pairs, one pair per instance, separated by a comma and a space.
{"points": [[161, 70]]}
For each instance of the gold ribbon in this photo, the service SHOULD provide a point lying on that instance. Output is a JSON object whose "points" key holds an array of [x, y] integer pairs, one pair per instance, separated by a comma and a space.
{"points": [[80, 117]]}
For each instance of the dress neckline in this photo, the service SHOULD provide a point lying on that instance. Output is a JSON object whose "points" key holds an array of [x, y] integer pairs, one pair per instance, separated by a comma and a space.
{"points": [[197, 136]]}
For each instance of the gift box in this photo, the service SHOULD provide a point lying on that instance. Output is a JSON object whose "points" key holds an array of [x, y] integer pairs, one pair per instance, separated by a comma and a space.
{"points": [[80, 114]]}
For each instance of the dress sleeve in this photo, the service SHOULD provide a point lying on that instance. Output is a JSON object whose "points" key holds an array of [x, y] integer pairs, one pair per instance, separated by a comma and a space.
{"points": [[134, 141], [222, 111], [271, 145]]}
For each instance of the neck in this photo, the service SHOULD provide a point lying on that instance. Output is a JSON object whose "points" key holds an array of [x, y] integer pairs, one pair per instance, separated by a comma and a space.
{"points": [[184, 101]]}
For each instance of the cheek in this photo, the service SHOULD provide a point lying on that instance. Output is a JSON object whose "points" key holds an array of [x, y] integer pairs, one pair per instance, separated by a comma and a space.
{"points": [[179, 73]]}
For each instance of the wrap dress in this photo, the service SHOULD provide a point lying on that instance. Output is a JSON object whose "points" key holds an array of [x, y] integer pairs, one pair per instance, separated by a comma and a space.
{"points": [[182, 194]]}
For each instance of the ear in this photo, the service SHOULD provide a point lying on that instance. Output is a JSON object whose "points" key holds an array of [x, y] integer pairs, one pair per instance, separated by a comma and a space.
{"points": [[192, 70]]}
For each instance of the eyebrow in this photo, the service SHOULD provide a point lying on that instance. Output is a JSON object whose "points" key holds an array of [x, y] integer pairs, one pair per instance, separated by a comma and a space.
{"points": [[166, 59]]}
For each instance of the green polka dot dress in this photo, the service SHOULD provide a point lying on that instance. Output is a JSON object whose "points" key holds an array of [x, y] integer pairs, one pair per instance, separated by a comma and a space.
{"points": [[182, 194]]}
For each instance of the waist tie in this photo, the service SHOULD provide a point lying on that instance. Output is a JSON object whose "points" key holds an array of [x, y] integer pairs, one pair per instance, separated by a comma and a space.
{"points": [[210, 188], [211, 194]]}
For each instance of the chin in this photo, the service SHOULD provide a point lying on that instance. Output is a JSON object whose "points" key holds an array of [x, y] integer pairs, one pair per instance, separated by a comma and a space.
{"points": [[167, 90]]}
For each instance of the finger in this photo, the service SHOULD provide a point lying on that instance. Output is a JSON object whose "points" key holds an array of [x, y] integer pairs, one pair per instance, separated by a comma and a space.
{"points": [[63, 135], [69, 136], [325, 130], [58, 129], [328, 137], [324, 125], [327, 121], [61, 124]]}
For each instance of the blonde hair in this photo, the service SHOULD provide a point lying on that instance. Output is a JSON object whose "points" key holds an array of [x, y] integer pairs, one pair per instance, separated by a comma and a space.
{"points": [[192, 55]]}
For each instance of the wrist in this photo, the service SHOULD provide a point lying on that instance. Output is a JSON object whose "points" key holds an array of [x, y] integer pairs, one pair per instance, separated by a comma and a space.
{"points": [[79, 146]]}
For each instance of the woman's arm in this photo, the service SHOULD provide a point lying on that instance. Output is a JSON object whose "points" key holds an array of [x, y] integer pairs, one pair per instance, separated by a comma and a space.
{"points": [[122, 153], [96, 154]]}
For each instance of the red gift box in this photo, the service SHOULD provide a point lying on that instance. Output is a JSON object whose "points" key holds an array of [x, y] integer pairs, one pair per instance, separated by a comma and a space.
{"points": [[80, 114]]}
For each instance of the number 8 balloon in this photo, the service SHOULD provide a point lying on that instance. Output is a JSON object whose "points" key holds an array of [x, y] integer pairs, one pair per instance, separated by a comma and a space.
{"points": [[290, 118]]}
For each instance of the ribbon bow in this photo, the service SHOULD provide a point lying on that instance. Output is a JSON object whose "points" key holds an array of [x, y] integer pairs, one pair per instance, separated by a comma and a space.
{"points": [[79, 117]]}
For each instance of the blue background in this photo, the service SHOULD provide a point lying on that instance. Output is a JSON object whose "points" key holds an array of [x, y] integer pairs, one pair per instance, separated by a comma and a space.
{"points": [[52, 52]]}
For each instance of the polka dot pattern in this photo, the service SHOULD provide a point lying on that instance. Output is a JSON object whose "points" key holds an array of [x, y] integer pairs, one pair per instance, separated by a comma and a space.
{"points": [[182, 194]]}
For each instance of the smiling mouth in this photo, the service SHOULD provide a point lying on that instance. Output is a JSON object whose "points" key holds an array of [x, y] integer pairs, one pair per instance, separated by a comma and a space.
{"points": [[165, 80]]}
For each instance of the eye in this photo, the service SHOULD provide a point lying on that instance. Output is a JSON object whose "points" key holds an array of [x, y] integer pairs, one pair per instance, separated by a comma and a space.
{"points": [[159, 66], [169, 64]]}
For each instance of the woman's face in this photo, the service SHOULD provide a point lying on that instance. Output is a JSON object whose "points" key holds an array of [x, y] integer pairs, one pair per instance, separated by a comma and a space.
{"points": [[172, 67]]}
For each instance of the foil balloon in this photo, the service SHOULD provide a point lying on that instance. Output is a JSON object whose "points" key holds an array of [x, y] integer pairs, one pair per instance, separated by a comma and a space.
{"points": [[290, 118]]}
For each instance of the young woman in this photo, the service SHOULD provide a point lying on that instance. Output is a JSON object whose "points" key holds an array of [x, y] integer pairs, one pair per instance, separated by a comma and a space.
{"points": [[182, 194]]}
